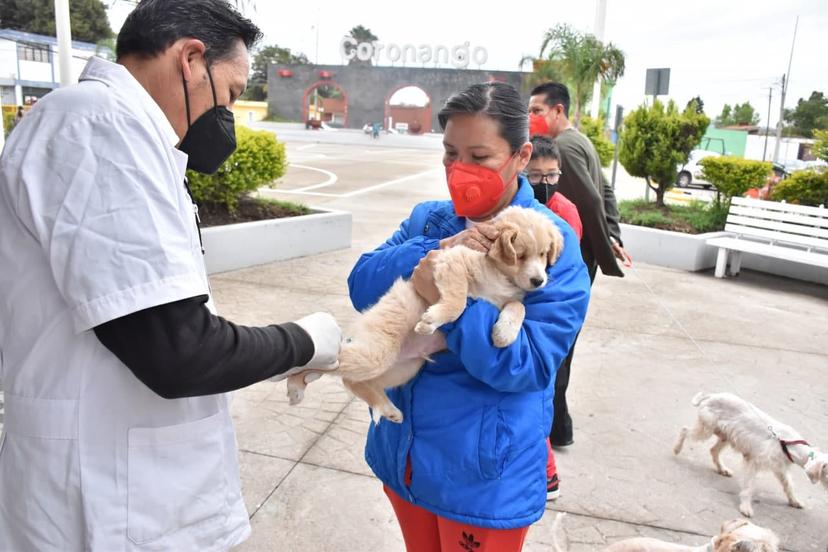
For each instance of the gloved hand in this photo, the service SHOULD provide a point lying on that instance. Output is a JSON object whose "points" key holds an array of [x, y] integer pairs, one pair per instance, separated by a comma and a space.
{"points": [[326, 336]]}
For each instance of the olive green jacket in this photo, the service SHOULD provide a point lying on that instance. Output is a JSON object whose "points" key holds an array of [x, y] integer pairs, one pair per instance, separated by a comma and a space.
{"points": [[583, 182]]}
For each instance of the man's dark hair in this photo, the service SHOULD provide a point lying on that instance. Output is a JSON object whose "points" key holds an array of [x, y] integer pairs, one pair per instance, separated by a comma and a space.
{"points": [[154, 25], [544, 147], [497, 100], [555, 93]]}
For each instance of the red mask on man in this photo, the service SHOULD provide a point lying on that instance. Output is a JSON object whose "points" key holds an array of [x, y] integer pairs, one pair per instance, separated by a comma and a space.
{"points": [[475, 190], [538, 125]]}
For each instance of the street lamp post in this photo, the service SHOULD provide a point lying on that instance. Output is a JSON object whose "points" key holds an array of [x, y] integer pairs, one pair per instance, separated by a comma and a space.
{"points": [[64, 39], [600, 23]]}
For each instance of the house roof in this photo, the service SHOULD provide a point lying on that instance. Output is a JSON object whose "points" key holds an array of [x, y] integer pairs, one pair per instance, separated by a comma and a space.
{"points": [[43, 40]]}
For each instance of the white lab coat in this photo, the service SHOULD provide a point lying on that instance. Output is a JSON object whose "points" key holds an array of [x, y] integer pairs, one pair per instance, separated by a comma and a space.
{"points": [[95, 223]]}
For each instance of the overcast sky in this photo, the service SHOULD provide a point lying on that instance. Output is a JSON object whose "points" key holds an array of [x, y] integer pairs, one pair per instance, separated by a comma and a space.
{"points": [[726, 51]]}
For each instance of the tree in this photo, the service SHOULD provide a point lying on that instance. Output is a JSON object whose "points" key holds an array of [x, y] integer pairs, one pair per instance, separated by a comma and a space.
{"points": [[740, 115], [699, 104], [809, 115], [725, 117], [576, 59], [821, 145], [87, 18], [264, 56], [655, 141], [359, 34]]}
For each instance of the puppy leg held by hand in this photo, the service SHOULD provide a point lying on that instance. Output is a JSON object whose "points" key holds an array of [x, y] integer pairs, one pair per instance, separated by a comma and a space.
{"points": [[297, 383], [509, 322]]}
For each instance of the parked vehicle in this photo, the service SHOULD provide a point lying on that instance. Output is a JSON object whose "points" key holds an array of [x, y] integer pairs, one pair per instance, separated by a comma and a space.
{"points": [[691, 172]]}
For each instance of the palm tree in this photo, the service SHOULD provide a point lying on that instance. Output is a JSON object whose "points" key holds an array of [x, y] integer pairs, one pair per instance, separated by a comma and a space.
{"points": [[360, 34], [577, 60]]}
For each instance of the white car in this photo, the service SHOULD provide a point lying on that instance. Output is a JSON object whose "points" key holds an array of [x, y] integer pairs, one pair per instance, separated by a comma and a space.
{"points": [[691, 172]]}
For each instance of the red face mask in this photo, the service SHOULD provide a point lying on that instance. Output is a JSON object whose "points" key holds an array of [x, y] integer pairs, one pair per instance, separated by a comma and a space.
{"points": [[475, 190], [538, 125]]}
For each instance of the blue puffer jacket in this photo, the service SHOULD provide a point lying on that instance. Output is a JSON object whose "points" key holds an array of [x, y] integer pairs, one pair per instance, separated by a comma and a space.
{"points": [[477, 417]]}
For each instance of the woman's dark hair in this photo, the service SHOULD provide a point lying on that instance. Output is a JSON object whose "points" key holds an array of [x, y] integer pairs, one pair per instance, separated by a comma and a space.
{"points": [[544, 147], [497, 100], [154, 25], [555, 93]]}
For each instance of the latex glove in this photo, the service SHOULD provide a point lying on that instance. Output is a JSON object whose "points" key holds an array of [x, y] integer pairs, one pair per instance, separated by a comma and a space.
{"points": [[326, 336]]}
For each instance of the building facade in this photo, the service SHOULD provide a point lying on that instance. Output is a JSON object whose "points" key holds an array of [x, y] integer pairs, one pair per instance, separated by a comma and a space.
{"points": [[29, 65]]}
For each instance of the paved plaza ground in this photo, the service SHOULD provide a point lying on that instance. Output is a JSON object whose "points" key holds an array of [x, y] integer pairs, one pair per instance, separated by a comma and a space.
{"points": [[651, 341]]}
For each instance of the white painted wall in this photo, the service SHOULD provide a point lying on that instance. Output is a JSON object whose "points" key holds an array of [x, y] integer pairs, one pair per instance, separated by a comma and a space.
{"points": [[788, 148], [8, 63]]}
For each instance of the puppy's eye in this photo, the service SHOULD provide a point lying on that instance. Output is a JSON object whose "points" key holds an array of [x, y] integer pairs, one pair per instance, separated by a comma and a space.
{"points": [[521, 256]]}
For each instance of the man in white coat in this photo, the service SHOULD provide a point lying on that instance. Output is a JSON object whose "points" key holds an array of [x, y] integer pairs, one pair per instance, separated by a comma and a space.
{"points": [[117, 434]]}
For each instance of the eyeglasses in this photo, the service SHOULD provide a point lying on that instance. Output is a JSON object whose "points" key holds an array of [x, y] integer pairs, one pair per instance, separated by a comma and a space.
{"points": [[541, 178]]}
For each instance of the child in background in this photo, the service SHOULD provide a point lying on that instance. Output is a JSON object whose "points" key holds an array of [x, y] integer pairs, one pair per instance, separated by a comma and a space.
{"points": [[543, 172]]}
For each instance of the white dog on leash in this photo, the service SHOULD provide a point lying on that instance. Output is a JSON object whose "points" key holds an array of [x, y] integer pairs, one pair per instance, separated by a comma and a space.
{"points": [[765, 444]]}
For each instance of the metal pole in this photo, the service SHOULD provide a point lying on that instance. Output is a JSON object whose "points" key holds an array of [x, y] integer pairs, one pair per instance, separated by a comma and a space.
{"points": [[786, 80], [619, 116], [600, 23], [767, 127], [64, 39]]}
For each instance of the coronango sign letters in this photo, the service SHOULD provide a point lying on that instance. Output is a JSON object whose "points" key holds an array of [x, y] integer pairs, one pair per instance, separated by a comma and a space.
{"points": [[458, 56]]}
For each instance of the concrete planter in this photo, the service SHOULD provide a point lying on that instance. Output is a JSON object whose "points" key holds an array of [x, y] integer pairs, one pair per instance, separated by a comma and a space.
{"points": [[690, 252], [670, 249], [235, 246]]}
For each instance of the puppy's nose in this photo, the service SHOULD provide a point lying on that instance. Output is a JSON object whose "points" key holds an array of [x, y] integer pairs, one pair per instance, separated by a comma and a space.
{"points": [[537, 282]]}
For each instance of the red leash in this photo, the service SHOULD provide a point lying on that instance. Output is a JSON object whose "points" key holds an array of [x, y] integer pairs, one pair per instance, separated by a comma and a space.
{"points": [[784, 444]]}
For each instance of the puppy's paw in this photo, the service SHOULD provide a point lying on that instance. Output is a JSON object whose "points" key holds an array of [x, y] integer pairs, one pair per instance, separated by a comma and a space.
{"points": [[725, 472], [746, 509], [794, 503], [295, 394], [504, 334], [393, 414], [425, 328]]}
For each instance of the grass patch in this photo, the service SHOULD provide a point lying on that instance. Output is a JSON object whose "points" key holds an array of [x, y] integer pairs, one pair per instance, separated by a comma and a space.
{"points": [[695, 218]]}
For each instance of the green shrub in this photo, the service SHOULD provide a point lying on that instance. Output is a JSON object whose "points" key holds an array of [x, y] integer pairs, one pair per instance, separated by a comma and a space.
{"points": [[594, 130], [258, 160], [8, 123], [804, 187], [733, 176], [703, 217], [694, 218]]}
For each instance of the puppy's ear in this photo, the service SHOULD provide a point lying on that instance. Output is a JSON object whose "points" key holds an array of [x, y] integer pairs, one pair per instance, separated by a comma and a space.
{"points": [[503, 249], [816, 469], [556, 245]]}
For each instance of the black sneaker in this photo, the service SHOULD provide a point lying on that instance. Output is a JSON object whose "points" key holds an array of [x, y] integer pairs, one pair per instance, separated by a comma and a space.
{"points": [[553, 488]]}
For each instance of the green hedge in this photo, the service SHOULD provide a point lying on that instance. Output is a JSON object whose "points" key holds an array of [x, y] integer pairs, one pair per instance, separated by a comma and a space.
{"points": [[733, 176], [8, 123], [594, 130], [259, 160], [803, 187]]}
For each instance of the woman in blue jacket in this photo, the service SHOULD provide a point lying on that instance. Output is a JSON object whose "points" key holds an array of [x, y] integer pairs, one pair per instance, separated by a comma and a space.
{"points": [[466, 468]]}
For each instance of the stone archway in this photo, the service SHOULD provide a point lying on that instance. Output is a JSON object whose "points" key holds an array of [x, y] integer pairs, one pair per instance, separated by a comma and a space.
{"points": [[331, 108], [412, 109]]}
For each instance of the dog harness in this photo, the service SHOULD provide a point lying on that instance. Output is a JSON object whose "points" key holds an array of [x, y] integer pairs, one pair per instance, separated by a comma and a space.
{"points": [[784, 444]]}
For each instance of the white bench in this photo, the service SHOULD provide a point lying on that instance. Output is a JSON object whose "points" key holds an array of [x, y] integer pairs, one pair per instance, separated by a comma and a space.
{"points": [[795, 233]]}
